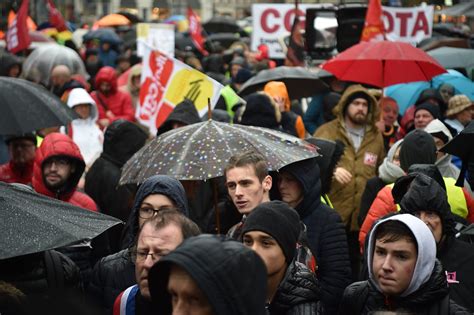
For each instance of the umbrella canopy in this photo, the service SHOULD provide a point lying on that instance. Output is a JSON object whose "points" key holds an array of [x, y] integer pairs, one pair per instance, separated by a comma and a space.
{"points": [[300, 82], [112, 20], [225, 39], [78, 35], [40, 37], [32, 223], [383, 64], [406, 94], [201, 151], [27, 107], [42, 60], [451, 57], [462, 84], [222, 24], [459, 145], [105, 35]]}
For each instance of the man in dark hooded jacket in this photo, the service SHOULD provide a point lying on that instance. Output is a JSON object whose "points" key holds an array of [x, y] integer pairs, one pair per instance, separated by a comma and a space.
{"points": [[421, 196], [122, 139], [115, 273], [10, 65], [300, 186], [185, 113], [210, 275]]}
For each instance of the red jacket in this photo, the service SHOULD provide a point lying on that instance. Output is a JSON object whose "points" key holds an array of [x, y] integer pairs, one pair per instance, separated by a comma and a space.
{"points": [[59, 144], [11, 173], [118, 102]]}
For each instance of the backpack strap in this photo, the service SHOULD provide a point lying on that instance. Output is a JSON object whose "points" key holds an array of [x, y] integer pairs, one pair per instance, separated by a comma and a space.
{"points": [[54, 269]]}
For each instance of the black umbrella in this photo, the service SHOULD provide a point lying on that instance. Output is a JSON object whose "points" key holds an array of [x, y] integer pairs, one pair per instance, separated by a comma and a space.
{"points": [[463, 144], [105, 35], [300, 82], [201, 151], [222, 24], [32, 223], [27, 107], [224, 39]]}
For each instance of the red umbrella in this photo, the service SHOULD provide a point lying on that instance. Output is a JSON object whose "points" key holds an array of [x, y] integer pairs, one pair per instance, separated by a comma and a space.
{"points": [[383, 64]]}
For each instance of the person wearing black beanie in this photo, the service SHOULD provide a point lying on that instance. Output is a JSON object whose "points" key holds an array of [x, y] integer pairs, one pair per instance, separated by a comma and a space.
{"points": [[418, 148], [425, 113], [272, 230]]}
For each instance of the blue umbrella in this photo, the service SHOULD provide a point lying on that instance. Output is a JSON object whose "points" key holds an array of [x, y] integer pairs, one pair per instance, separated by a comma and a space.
{"points": [[462, 84], [104, 35], [406, 94]]}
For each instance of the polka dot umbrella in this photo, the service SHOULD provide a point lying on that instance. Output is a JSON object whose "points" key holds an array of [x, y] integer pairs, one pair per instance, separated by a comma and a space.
{"points": [[201, 151]]}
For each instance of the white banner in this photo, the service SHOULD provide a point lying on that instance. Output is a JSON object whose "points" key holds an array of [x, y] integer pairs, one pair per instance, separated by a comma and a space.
{"points": [[410, 25], [165, 82], [273, 21], [156, 35]]}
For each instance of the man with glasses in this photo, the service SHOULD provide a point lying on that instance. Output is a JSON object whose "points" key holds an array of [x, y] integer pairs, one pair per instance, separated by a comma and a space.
{"points": [[22, 150], [115, 273], [159, 235]]}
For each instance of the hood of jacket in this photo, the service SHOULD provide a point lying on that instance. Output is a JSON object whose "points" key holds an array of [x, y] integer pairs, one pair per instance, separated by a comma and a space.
{"points": [[388, 171], [81, 96], [307, 174], [109, 75], [7, 61], [231, 276], [158, 184], [185, 113], [438, 129], [418, 147], [418, 192], [299, 286], [57, 144], [340, 108], [261, 111], [136, 70], [278, 89], [122, 139], [426, 251]]}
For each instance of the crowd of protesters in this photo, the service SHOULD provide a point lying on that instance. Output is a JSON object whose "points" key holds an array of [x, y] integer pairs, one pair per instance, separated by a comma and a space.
{"points": [[375, 223]]}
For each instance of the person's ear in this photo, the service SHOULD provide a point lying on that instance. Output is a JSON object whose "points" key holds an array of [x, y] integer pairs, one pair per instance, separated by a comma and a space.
{"points": [[267, 183]]}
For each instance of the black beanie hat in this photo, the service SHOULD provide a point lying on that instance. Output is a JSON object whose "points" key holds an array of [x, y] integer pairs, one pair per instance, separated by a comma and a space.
{"points": [[433, 109], [418, 147], [278, 220], [359, 94]]}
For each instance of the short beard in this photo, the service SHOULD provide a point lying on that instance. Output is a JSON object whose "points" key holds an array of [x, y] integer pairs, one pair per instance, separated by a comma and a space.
{"points": [[357, 120], [55, 187]]}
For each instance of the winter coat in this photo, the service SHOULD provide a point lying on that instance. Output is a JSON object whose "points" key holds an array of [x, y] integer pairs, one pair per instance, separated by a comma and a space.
{"points": [[325, 234], [110, 276], [184, 113], [291, 122], [56, 144], [131, 302], [12, 173], [388, 173], [297, 294], [118, 102], [157, 184], [427, 291], [85, 132], [233, 277], [134, 92], [362, 164]]}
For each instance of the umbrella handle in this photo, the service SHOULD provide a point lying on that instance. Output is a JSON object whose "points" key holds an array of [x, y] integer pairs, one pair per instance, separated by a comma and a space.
{"points": [[216, 207], [209, 112]]}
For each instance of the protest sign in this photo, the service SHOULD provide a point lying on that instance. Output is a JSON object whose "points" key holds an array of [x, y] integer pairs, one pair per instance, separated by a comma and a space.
{"points": [[156, 35]]}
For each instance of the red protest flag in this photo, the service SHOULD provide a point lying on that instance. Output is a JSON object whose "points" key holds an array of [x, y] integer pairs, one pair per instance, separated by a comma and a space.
{"points": [[373, 26], [55, 17], [195, 31], [295, 53], [18, 37]]}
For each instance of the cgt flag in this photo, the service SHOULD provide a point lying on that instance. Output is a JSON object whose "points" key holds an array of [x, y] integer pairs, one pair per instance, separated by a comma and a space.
{"points": [[55, 17], [295, 55], [195, 30], [18, 37], [165, 82], [373, 27]]}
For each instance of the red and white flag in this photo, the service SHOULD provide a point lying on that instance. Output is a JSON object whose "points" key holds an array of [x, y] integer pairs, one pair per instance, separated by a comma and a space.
{"points": [[373, 26], [18, 37], [55, 17], [195, 31]]}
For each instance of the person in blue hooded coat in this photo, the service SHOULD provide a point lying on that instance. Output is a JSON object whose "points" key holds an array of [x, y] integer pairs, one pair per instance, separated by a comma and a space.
{"points": [[114, 273], [300, 186]]}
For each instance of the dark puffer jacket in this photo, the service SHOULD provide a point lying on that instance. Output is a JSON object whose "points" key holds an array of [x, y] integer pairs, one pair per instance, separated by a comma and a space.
{"points": [[431, 299], [325, 233], [184, 113], [298, 293]]}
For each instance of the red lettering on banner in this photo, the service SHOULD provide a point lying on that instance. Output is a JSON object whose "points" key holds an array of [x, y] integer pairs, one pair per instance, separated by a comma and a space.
{"points": [[421, 24], [264, 20], [403, 21], [289, 18], [389, 22]]}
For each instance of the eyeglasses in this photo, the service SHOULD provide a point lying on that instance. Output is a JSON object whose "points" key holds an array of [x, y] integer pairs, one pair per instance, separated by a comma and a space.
{"points": [[141, 255], [148, 212], [58, 161]]}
